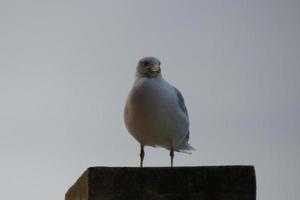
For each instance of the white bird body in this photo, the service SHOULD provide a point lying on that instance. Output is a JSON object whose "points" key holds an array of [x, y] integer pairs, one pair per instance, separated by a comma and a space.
{"points": [[153, 116], [155, 113]]}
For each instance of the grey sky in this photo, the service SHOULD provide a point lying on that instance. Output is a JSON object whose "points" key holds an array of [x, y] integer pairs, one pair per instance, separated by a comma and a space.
{"points": [[66, 68]]}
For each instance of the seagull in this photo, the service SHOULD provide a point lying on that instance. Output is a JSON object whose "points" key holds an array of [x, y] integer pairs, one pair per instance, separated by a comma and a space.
{"points": [[155, 113]]}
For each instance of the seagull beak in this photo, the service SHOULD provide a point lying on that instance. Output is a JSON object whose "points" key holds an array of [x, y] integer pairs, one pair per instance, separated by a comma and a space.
{"points": [[155, 68]]}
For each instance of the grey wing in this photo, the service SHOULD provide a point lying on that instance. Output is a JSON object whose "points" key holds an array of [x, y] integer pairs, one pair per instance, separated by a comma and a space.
{"points": [[182, 106], [181, 102]]}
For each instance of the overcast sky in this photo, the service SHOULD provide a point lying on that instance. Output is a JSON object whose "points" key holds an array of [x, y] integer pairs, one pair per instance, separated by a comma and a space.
{"points": [[66, 68]]}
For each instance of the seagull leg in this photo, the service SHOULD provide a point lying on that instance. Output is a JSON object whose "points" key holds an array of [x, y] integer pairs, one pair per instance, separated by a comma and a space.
{"points": [[142, 154], [172, 156]]}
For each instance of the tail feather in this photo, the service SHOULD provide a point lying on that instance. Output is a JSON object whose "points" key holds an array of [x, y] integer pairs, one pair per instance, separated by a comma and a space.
{"points": [[186, 148]]}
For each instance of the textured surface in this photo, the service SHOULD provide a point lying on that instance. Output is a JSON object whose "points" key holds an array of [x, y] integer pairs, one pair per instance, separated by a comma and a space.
{"points": [[178, 183]]}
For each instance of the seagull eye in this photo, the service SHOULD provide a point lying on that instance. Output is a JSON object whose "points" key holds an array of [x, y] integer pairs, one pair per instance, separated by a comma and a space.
{"points": [[146, 63]]}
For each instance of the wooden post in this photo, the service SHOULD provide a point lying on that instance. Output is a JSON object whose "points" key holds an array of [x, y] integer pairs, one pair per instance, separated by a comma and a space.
{"points": [[165, 183]]}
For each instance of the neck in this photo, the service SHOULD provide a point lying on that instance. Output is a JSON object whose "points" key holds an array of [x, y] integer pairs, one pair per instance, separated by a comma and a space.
{"points": [[139, 75]]}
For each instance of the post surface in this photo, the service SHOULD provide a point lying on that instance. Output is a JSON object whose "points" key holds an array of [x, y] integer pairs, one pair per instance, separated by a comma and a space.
{"points": [[165, 183]]}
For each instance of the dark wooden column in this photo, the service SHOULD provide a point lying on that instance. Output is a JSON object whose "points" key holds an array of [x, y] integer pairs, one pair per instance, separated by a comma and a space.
{"points": [[165, 183]]}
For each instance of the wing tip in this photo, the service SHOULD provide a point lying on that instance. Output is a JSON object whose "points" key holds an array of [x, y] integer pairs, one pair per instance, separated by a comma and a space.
{"points": [[187, 149]]}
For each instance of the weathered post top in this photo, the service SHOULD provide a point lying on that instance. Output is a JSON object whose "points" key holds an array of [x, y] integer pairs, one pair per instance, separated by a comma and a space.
{"points": [[165, 183]]}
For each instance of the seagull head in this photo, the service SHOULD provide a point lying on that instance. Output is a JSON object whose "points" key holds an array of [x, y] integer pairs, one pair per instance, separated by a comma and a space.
{"points": [[148, 67]]}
